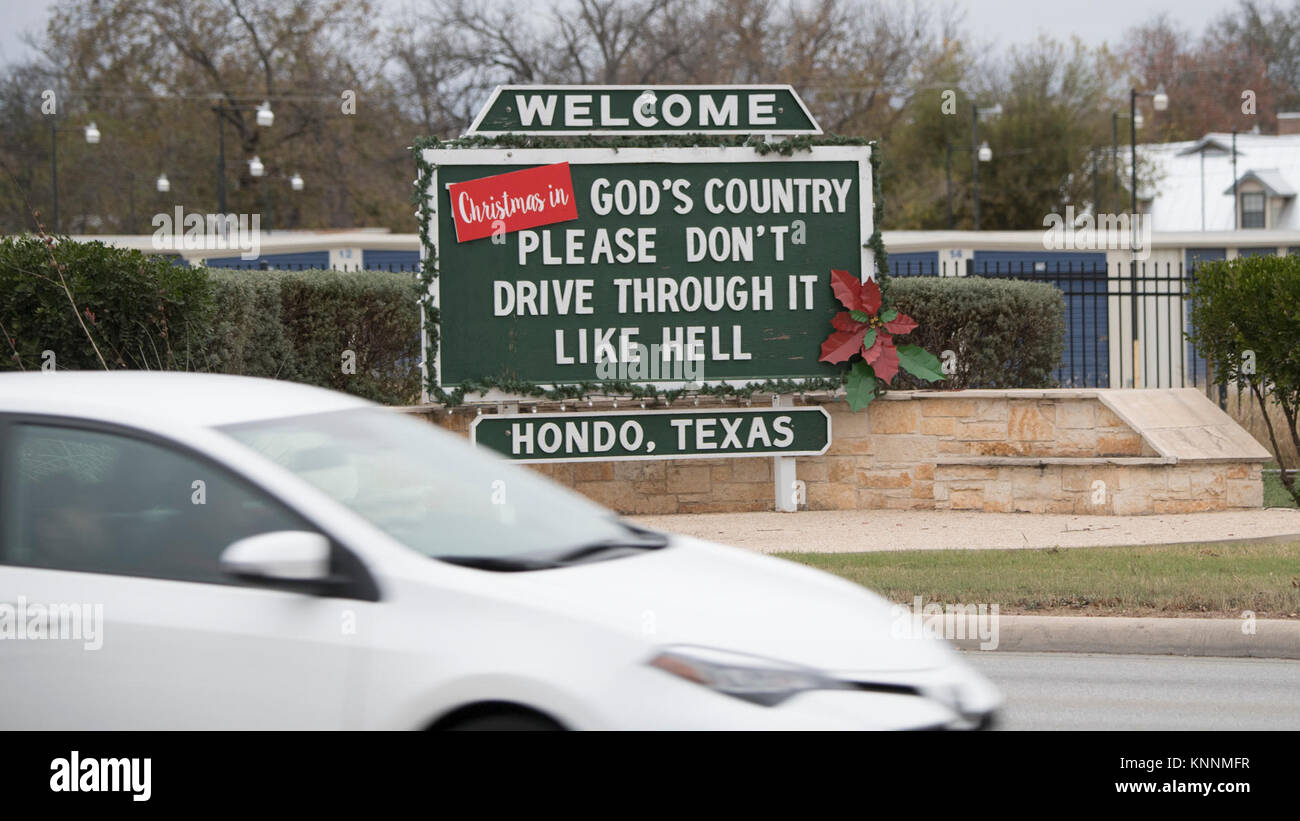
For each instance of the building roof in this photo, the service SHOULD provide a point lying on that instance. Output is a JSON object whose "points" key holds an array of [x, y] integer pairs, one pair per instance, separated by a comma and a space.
{"points": [[1270, 178], [1178, 191]]}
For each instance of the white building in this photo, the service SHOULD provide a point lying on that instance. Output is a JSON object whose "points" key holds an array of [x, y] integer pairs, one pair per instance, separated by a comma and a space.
{"points": [[1193, 182]]}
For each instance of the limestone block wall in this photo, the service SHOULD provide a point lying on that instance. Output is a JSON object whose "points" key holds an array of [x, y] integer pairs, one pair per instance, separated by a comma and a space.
{"points": [[1054, 451], [1126, 488]]}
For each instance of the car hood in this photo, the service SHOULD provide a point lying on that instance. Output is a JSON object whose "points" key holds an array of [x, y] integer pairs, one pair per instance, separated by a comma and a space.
{"points": [[704, 594]]}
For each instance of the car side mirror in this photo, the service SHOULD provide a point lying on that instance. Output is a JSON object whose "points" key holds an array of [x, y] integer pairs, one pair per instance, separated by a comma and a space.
{"points": [[281, 555]]}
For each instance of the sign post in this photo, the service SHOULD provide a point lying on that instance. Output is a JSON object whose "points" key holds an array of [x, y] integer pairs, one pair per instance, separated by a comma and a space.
{"points": [[784, 481]]}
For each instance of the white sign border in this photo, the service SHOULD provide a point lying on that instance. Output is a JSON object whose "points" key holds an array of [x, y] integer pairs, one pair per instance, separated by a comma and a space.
{"points": [[644, 132], [633, 414], [861, 154]]}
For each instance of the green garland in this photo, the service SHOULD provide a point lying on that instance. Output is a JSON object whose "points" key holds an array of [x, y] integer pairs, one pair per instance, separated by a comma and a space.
{"points": [[582, 390]]}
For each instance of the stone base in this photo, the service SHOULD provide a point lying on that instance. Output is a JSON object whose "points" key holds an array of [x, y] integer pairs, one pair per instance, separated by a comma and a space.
{"points": [[1046, 451]]}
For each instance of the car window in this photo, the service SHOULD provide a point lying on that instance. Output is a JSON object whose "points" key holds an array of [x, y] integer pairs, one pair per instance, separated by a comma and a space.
{"points": [[100, 502], [428, 488]]}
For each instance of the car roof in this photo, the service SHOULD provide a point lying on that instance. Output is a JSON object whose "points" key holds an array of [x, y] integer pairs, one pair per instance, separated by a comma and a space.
{"points": [[183, 399]]}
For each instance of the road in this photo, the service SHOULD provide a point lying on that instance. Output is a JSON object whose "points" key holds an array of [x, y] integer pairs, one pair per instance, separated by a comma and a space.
{"points": [[1067, 691]]}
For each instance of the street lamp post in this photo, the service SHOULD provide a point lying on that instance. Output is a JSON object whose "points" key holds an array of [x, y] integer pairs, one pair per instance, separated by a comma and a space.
{"points": [[1115, 117], [979, 152], [975, 159], [1114, 159], [982, 154], [265, 118], [1096, 186], [92, 138], [947, 176], [218, 109], [1160, 101]]}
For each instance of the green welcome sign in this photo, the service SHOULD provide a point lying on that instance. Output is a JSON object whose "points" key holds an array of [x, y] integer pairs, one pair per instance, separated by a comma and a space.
{"points": [[633, 110], [657, 434], [683, 266]]}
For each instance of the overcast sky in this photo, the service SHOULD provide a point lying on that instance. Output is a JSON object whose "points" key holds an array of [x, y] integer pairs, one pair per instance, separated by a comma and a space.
{"points": [[1096, 21], [1000, 21]]}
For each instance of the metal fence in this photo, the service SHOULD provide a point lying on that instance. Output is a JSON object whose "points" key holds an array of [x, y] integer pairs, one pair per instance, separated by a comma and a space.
{"points": [[391, 267], [1085, 362], [267, 265], [1105, 307]]}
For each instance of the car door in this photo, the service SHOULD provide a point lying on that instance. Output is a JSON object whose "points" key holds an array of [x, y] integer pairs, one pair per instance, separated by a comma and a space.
{"points": [[115, 612]]}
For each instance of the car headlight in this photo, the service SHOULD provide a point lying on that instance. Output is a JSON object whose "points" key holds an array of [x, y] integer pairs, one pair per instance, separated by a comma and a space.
{"points": [[751, 678]]}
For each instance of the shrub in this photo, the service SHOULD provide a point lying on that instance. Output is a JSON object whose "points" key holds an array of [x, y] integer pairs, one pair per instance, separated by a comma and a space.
{"points": [[298, 325], [1005, 333], [142, 311], [246, 336], [74, 298], [1246, 319]]}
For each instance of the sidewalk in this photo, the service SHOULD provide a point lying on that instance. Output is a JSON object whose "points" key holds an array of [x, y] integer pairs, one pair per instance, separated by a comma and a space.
{"points": [[879, 530], [851, 531]]}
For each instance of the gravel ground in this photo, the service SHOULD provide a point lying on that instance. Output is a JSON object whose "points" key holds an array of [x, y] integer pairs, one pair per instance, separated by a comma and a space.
{"points": [[851, 531]]}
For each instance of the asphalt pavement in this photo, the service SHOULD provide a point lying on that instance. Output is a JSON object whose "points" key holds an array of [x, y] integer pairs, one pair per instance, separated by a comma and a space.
{"points": [[1068, 691]]}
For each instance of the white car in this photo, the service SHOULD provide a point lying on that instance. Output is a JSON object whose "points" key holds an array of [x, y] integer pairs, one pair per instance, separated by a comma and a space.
{"points": [[200, 551]]}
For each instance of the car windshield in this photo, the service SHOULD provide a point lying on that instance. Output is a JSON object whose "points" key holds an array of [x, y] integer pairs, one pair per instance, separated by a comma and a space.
{"points": [[440, 495]]}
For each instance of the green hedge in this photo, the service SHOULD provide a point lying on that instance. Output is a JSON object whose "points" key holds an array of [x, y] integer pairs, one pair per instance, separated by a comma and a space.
{"points": [[297, 325], [1005, 333], [142, 311]]}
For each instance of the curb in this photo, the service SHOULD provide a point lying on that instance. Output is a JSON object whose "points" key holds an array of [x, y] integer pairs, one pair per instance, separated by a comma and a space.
{"points": [[1280, 538], [1273, 638]]}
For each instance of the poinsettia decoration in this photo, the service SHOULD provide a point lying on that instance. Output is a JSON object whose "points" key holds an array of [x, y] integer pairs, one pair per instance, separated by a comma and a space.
{"points": [[867, 330]]}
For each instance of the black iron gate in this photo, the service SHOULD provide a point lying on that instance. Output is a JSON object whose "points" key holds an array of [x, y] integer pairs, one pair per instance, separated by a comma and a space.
{"points": [[1106, 306]]}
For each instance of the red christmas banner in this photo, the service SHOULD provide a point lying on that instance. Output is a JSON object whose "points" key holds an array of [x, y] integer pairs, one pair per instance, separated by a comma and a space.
{"points": [[513, 201]]}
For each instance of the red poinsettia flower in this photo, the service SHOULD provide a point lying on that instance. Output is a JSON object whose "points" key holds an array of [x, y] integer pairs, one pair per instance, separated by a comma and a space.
{"points": [[863, 327]]}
